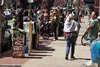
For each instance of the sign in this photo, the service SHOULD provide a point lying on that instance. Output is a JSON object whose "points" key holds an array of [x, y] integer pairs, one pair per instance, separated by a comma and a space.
{"points": [[18, 43], [30, 1], [18, 51], [26, 27]]}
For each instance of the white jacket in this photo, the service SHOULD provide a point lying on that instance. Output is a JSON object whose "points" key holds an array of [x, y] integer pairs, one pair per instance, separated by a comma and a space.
{"points": [[70, 26]]}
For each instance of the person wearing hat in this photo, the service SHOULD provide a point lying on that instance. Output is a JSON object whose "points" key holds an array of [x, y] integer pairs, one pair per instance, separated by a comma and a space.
{"points": [[70, 29]]}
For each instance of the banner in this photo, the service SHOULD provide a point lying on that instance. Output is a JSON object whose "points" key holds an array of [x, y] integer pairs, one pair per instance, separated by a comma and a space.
{"points": [[18, 43]]}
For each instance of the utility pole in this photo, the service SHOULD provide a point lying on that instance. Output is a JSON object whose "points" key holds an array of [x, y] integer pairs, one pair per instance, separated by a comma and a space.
{"points": [[0, 31], [78, 6], [49, 10], [30, 27]]}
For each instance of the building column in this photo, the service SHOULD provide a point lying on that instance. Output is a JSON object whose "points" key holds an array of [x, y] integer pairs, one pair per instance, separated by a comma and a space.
{"points": [[1, 17]]}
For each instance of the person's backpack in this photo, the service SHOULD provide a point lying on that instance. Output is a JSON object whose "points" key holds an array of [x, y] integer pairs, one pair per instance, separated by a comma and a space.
{"points": [[95, 51]]}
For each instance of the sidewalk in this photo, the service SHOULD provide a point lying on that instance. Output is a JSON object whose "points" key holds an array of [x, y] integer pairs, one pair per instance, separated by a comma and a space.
{"points": [[55, 56]]}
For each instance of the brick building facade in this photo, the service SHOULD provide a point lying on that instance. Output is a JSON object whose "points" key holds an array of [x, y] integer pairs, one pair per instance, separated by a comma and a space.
{"points": [[60, 2], [97, 6]]}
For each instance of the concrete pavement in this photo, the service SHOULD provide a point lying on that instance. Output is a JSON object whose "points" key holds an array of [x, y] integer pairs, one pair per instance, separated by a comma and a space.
{"points": [[56, 56]]}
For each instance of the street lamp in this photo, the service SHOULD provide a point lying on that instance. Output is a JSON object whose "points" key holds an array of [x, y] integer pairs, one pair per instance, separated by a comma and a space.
{"points": [[48, 10], [78, 6]]}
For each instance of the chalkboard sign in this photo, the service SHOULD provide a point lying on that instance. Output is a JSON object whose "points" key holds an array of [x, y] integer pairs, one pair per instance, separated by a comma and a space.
{"points": [[18, 43]]}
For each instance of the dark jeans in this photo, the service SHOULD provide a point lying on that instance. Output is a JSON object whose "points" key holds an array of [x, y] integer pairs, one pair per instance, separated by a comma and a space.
{"points": [[70, 43], [55, 27]]}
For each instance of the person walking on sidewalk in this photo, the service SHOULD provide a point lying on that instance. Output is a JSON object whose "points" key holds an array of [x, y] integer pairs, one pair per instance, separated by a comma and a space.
{"points": [[70, 28]]}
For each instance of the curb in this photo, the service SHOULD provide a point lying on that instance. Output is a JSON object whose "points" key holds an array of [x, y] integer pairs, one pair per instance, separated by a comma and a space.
{"points": [[10, 65]]}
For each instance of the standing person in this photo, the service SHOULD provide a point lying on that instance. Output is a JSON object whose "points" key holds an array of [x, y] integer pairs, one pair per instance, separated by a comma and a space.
{"points": [[45, 16], [14, 21], [55, 23], [20, 20], [25, 15], [93, 30], [67, 14], [78, 23], [5, 23], [70, 28]]}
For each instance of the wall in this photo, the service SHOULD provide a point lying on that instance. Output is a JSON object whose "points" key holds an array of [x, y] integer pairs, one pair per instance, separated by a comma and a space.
{"points": [[60, 3], [96, 6]]}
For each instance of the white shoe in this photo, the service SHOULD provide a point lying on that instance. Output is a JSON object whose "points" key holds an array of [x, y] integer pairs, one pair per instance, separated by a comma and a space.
{"points": [[53, 39], [89, 63]]}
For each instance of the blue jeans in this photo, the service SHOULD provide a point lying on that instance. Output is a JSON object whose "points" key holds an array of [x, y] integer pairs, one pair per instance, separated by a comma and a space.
{"points": [[90, 41], [70, 43]]}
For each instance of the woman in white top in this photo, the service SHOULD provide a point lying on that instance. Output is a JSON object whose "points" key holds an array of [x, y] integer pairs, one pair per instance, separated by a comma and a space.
{"points": [[70, 29]]}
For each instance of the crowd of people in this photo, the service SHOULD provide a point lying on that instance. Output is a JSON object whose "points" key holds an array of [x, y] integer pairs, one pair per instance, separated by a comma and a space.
{"points": [[61, 21], [55, 18]]}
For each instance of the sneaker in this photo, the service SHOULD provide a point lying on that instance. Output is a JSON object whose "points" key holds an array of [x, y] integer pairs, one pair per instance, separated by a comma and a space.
{"points": [[66, 57], [72, 58], [54, 39], [89, 63]]}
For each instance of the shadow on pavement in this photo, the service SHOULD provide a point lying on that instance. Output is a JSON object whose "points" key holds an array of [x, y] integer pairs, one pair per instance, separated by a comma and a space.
{"points": [[7, 54], [82, 59], [61, 39], [31, 57], [42, 51], [45, 48], [47, 42], [39, 55]]}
